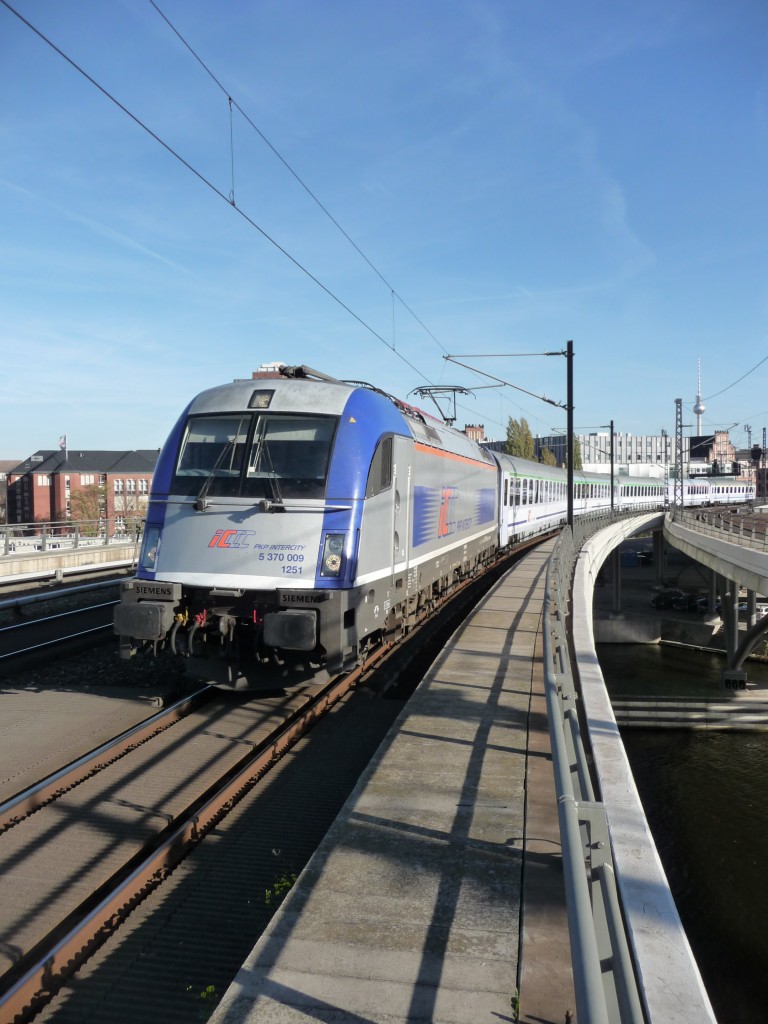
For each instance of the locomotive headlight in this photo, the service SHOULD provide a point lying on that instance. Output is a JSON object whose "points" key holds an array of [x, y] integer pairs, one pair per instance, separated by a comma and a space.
{"points": [[333, 555], [150, 548]]}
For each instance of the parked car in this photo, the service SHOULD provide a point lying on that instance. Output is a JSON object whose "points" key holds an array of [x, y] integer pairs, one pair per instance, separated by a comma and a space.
{"points": [[666, 598], [691, 603]]}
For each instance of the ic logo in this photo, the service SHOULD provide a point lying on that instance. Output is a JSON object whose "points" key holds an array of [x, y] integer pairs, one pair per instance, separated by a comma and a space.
{"points": [[447, 521], [231, 539]]}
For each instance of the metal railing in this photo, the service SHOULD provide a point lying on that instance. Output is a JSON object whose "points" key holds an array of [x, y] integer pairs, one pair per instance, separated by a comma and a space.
{"points": [[749, 531], [604, 978], [27, 538]]}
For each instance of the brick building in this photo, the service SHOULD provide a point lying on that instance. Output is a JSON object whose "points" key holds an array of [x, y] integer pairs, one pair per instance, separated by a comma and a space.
{"points": [[54, 486]]}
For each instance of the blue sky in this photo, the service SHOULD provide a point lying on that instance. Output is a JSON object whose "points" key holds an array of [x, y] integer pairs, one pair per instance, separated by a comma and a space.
{"points": [[518, 173]]}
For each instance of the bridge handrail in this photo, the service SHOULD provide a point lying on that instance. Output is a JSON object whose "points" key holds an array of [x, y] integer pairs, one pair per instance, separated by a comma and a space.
{"points": [[23, 538], [740, 528], [603, 971]]}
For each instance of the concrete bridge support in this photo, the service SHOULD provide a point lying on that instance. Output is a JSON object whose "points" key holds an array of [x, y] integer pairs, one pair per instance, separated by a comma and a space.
{"points": [[734, 678], [751, 608], [616, 574], [729, 613], [658, 554]]}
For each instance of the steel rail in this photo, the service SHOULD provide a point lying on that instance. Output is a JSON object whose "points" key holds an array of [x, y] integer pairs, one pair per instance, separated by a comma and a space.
{"points": [[58, 615], [55, 595], [64, 779], [57, 640], [51, 618]]}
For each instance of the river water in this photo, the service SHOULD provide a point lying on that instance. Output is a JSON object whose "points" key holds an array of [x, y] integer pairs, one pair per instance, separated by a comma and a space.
{"points": [[706, 799]]}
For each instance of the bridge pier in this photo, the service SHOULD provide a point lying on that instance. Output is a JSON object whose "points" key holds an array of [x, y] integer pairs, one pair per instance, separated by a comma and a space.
{"points": [[751, 608], [658, 554], [729, 600], [616, 581], [733, 678]]}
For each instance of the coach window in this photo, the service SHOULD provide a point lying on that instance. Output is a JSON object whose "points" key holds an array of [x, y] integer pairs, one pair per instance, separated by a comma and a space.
{"points": [[380, 473]]}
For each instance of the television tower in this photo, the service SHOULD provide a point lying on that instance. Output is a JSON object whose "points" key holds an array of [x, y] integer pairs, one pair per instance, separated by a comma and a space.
{"points": [[698, 408]]}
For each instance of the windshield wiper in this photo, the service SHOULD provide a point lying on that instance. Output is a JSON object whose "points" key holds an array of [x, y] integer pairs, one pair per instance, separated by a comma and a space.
{"points": [[274, 504], [201, 502], [273, 479]]}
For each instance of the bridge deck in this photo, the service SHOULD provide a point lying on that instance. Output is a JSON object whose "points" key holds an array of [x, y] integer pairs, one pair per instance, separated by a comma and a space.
{"points": [[439, 887]]}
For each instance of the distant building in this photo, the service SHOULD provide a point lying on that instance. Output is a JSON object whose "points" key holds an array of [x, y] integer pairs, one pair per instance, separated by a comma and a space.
{"points": [[714, 455], [54, 486], [711, 455], [628, 449], [5, 466], [475, 431]]}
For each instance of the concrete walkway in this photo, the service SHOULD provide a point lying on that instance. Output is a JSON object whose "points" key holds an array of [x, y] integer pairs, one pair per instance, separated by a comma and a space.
{"points": [[438, 890]]}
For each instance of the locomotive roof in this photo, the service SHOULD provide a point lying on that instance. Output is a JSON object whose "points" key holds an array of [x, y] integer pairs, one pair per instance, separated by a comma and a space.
{"points": [[290, 395]]}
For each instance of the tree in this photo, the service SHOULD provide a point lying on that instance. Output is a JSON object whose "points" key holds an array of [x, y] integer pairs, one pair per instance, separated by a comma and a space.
{"points": [[88, 504], [577, 463], [519, 439], [548, 457]]}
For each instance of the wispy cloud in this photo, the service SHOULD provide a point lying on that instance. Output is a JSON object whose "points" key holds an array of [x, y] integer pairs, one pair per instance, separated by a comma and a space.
{"points": [[102, 230]]}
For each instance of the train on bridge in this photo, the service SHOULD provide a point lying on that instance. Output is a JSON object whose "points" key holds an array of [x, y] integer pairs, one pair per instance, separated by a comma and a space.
{"points": [[296, 520]]}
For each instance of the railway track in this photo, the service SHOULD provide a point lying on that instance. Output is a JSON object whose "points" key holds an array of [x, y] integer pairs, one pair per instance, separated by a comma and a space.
{"points": [[34, 624], [78, 854], [82, 852]]}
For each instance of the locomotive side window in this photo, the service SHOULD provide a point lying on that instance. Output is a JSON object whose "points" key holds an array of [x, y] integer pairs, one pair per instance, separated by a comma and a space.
{"points": [[380, 473]]}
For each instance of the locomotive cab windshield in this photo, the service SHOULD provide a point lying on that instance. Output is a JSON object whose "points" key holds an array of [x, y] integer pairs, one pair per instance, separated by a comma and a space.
{"points": [[256, 455]]}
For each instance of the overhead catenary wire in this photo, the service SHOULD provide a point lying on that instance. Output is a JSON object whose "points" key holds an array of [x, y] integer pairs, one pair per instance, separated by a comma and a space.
{"points": [[393, 292], [743, 377], [298, 178], [206, 181]]}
